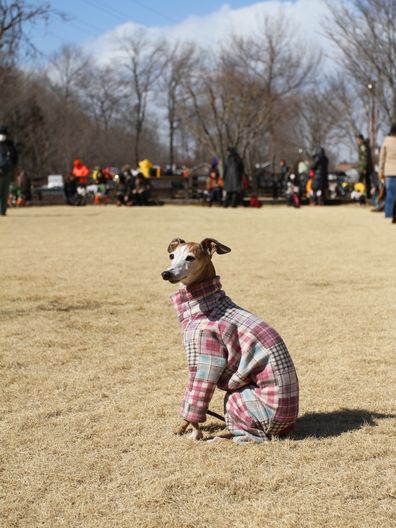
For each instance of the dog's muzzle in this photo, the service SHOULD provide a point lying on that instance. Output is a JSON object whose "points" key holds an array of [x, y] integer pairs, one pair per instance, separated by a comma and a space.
{"points": [[166, 275]]}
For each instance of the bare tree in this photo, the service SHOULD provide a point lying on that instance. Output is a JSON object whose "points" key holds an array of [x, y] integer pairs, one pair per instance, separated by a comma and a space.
{"points": [[275, 55], [143, 62], [16, 16], [180, 60], [245, 94], [102, 94], [365, 33], [68, 78], [326, 116], [69, 71]]}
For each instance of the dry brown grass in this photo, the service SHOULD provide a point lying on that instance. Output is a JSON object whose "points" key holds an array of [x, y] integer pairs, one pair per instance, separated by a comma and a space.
{"points": [[93, 370]]}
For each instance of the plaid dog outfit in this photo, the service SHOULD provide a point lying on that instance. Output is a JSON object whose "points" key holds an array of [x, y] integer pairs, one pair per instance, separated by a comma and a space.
{"points": [[232, 349]]}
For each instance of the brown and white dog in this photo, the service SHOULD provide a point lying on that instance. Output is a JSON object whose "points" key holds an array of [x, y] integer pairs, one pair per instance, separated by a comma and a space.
{"points": [[229, 348], [192, 263]]}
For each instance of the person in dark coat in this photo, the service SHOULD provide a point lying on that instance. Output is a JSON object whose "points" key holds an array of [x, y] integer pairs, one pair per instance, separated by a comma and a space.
{"points": [[70, 190], [141, 191], [8, 162], [233, 176], [320, 179]]}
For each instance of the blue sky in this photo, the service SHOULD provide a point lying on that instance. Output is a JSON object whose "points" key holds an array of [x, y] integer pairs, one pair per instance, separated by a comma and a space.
{"points": [[89, 19]]}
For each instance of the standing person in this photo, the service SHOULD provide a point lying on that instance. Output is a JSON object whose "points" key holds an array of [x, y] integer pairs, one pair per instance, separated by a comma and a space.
{"points": [[387, 172], [283, 176], [302, 171], [320, 178], [25, 185], [365, 163], [233, 176], [8, 162]]}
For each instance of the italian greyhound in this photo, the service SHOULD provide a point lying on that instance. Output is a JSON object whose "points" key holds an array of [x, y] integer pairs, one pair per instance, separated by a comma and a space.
{"points": [[230, 348], [192, 263]]}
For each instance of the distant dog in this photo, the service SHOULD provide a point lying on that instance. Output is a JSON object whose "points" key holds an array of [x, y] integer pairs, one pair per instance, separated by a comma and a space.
{"points": [[229, 348]]}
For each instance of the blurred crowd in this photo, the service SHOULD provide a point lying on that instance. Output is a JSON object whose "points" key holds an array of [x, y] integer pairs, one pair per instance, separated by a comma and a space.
{"points": [[131, 186], [307, 181], [82, 186]]}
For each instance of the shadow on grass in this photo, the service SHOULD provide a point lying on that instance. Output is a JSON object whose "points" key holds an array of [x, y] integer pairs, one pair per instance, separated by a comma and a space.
{"points": [[213, 427], [316, 424], [334, 423]]}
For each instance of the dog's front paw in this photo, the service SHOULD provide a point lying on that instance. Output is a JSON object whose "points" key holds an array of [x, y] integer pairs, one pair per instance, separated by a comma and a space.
{"points": [[181, 429]]}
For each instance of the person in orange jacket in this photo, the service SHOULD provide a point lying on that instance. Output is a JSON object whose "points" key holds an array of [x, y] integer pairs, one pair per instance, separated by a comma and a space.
{"points": [[80, 172]]}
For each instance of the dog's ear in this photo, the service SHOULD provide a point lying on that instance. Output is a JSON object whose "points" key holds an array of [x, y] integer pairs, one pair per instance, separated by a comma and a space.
{"points": [[210, 246], [173, 245]]}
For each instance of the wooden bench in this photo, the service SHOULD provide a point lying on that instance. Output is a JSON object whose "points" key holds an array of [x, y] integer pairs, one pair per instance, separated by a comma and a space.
{"points": [[169, 188]]}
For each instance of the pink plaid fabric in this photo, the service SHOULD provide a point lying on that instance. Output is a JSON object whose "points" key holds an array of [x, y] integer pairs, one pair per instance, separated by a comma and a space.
{"points": [[230, 348]]}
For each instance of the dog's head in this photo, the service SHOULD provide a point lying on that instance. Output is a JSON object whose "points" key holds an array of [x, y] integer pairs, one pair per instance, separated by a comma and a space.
{"points": [[192, 261]]}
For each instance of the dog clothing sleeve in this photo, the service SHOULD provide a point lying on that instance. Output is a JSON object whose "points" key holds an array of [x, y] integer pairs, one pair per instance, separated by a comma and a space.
{"points": [[203, 377]]}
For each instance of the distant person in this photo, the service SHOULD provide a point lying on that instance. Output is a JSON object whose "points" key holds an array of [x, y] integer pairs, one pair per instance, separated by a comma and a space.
{"points": [[320, 177], [141, 191], [214, 187], [233, 177], [387, 172], [70, 190], [365, 164], [101, 194], [8, 162], [358, 193], [121, 189], [25, 185], [127, 172], [283, 176], [293, 190], [100, 177], [80, 172], [302, 172]]}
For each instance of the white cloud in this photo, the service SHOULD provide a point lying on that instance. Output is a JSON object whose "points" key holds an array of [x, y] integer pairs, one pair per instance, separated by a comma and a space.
{"points": [[306, 16]]}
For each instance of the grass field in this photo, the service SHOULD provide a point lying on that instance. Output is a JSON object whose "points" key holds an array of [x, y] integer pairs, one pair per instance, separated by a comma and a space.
{"points": [[93, 370]]}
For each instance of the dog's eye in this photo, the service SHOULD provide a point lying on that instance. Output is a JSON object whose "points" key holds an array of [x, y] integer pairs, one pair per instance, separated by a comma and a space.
{"points": [[171, 256], [190, 258]]}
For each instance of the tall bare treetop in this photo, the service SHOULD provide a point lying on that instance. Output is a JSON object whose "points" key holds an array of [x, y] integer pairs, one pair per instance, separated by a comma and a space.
{"points": [[16, 18], [365, 33]]}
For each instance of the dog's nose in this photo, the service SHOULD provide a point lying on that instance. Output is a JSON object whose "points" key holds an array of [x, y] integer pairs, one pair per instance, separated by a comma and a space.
{"points": [[166, 275]]}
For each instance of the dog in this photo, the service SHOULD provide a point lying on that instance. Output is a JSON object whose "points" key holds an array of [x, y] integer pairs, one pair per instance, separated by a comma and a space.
{"points": [[229, 348]]}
